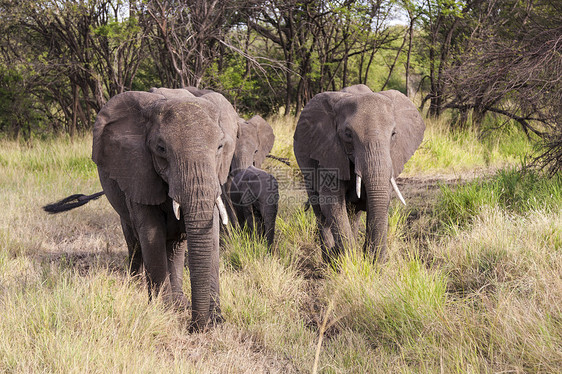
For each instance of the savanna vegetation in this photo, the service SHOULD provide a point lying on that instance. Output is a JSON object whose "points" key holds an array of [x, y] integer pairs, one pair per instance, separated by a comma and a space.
{"points": [[473, 282]]}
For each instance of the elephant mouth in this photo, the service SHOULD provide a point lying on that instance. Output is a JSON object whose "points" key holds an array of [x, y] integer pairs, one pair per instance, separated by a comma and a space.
{"points": [[358, 181], [218, 202]]}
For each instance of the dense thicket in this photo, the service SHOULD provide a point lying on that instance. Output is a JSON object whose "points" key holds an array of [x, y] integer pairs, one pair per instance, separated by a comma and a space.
{"points": [[61, 60]]}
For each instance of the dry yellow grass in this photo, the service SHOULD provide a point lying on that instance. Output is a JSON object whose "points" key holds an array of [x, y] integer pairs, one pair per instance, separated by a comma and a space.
{"points": [[484, 298]]}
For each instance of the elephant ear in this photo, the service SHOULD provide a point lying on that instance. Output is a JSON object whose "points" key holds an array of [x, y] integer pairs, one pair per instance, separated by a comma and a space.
{"points": [[266, 139], [120, 150], [228, 121], [409, 129], [316, 134]]}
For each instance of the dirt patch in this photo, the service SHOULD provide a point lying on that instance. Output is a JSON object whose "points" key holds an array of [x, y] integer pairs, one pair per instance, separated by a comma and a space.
{"points": [[421, 193], [424, 186]]}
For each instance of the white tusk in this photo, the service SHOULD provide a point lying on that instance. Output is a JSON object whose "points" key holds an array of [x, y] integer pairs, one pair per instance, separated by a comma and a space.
{"points": [[358, 186], [222, 211], [176, 207], [395, 186]]}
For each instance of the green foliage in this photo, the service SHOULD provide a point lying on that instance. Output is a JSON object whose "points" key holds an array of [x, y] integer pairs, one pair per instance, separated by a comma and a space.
{"points": [[243, 247], [49, 157], [18, 112]]}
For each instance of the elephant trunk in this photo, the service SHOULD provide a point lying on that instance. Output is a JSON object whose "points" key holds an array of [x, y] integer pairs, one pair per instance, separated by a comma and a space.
{"points": [[377, 185], [197, 202], [200, 247]]}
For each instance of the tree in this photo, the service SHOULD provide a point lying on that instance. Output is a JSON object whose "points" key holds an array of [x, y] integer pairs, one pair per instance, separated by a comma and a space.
{"points": [[79, 53], [186, 37], [512, 65], [447, 25], [319, 39]]}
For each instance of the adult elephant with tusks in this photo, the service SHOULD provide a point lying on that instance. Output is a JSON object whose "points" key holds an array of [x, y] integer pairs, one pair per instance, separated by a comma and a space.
{"points": [[251, 194], [350, 146], [162, 157]]}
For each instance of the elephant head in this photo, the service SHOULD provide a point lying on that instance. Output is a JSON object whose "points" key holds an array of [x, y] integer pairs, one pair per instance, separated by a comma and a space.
{"points": [[255, 140], [366, 137], [169, 143]]}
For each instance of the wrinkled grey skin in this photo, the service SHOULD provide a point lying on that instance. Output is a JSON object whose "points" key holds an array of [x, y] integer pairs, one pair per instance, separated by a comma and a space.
{"points": [[254, 194], [150, 148], [354, 131], [255, 140], [251, 194]]}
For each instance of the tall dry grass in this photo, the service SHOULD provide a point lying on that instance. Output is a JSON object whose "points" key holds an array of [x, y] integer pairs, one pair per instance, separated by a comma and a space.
{"points": [[482, 296]]}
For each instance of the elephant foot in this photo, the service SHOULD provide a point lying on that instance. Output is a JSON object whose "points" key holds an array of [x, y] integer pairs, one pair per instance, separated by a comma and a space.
{"points": [[216, 317]]}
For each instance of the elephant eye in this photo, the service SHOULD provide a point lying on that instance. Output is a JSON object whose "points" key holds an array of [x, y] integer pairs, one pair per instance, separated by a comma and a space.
{"points": [[220, 147], [348, 133], [161, 149], [393, 134]]}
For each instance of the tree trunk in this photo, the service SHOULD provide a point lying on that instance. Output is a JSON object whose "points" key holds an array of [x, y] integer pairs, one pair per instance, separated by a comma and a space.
{"points": [[410, 32]]}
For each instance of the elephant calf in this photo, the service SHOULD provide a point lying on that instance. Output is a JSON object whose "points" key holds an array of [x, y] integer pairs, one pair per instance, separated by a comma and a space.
{"points": [[254, 195]]}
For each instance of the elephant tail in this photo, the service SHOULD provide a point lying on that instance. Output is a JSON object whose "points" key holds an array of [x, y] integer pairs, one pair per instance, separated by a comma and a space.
{"points": [[70, 202]]}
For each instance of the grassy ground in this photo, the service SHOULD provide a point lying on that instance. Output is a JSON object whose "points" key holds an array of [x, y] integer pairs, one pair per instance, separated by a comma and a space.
{"points": [[473, 283]]}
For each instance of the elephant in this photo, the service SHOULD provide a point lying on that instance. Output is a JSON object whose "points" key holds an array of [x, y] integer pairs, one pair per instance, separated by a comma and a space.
{"points": [[255, 141], [162, 157], [350, 146], [254, 195]]}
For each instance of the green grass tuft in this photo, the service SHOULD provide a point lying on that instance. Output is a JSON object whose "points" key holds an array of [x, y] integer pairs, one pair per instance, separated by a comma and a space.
{"points": [[510, 189], [446, 151]]}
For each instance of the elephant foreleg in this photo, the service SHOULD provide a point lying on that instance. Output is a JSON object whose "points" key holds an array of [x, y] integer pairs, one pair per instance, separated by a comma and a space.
{"points": [[355, 218], [149, 224], [337, 220], [176, 256], [268, 206], [133, 245]]}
